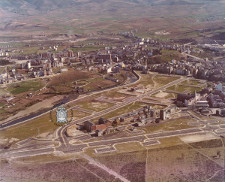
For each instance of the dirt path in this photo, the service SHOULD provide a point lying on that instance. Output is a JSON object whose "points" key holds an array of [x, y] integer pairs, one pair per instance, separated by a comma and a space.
{"points": [[102, 166], [155, 84]]}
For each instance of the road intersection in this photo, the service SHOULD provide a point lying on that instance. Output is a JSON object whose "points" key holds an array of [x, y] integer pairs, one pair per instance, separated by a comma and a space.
{"points": [[62, 131], [65, 145]]}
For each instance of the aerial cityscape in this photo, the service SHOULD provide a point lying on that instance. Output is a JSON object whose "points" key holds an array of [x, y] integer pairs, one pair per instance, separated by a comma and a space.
{"points": [[112, 90]]}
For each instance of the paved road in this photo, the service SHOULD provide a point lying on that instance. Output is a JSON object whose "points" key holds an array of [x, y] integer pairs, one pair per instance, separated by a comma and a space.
{"points": [[27, 153], [140, 138], [145, 139], [174, 133], [151, 142], [195, 57], [8, 124], [62, 131], [66, 147]]}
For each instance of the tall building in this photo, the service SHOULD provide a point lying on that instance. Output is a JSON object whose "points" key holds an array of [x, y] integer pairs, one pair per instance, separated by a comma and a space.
{"points": [[162, 114]]}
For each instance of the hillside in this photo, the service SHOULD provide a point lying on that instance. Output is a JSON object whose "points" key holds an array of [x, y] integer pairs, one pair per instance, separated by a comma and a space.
{"points": [[88, 16], [45, 5]]}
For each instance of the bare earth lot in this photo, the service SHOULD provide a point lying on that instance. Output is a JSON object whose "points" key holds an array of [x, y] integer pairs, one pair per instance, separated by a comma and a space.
{"points": [[175, 163]]}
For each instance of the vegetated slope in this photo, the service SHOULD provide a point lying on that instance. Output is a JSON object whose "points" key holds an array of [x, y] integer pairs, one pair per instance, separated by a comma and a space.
{"points": [[106, 15], [41, 5]]}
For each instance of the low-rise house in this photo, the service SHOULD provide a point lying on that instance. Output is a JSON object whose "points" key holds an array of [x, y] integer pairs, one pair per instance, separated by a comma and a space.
{"points": [[90, 127], [87, 125], [202, 104]]}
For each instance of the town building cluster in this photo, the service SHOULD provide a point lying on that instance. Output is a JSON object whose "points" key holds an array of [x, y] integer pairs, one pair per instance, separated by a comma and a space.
{"points": [[209, 101], [142, 117], [54, 60], [138, 54], [201, 69]]}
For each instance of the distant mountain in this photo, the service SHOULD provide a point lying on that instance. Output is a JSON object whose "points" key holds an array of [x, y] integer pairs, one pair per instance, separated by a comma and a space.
{"points": [[109, 15], [22, 5], [46, 5]]}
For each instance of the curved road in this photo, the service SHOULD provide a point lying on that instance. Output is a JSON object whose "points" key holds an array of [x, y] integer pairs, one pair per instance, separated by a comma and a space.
{"points": [[8, 124], [62, 131]]}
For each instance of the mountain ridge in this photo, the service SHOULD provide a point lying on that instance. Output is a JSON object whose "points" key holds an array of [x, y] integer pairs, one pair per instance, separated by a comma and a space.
{"points": [[107, 15]]}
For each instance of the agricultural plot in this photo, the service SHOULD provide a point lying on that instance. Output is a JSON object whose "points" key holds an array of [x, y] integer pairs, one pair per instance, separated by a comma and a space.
{"points": [[32, 86]]}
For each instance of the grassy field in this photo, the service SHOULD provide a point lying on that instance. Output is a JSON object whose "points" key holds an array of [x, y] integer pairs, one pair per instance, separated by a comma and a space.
{"points": [[79, 114], [129, 147], [25, 86], [88, 48], [205, 54], [2, 111], [163, 80], [191, 82], [95, 105], [146, 79], [99, 83], [167, 142], [39, 125], [166, 56], [1, 104], [30, 129], [154, 80], [65, 82], [173, 124], [167, 95], [126, 109], [26, 51], [184, 88], [114, 94], [82, 82]]}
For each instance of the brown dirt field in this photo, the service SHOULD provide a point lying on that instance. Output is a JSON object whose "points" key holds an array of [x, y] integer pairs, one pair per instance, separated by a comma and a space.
{"points": [[172, 163], [129, 165], [68, 171], [46, 103], [177, 163], [69, 76]]}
